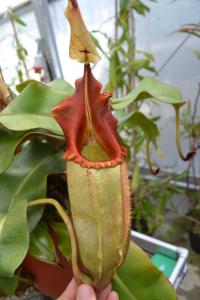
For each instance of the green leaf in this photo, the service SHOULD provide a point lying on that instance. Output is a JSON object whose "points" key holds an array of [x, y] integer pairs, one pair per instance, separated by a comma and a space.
{"points": [[197, 207], [8, 144], [150, 88], [197, 53], [21, 86], [139, 279], [42, 245], [10, 141], [58, 84], [14, 236], [64, 243], [27, 176], [8, 285], [115, 73], [139, 64], [98, 45], [16, 18], [149, 128], [32, 108], [123, 6], [148, 55], [62, 85], [21, 53], [140, 7]]}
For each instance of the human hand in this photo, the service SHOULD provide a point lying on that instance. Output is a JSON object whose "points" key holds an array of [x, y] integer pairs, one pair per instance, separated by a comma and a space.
{"points": [[86, 292]]}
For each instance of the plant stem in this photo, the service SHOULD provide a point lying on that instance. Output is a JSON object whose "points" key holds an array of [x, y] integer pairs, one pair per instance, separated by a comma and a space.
{"points": [[79, 276], [116, 38], [19, 46], [195, 105], [189, 155], [116, 22], [131, 45], [190, 219]]}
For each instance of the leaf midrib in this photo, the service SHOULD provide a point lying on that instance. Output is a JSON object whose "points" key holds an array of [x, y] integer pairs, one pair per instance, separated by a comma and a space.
{"points": [[23, 182], [128, 291], [2, 222], [42, 248], [20, 139], [8, 145]]}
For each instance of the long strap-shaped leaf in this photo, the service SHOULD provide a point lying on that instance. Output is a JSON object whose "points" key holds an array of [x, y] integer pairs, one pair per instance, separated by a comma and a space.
{"points": [[14, 236], [32, 108], [139, 279], [11, 142], [151, 88]]}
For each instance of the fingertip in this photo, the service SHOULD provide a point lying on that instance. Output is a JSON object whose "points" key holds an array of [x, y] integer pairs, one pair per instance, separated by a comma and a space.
{"points": [[72, 285], [85, 292], [113, 296]]}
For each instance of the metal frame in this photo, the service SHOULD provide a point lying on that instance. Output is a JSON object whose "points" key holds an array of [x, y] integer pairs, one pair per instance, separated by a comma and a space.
{"points": [[152, 245], [20, 10], [48, 43]]}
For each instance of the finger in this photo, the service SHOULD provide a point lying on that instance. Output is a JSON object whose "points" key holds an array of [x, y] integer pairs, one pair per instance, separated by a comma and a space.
{"points": [[104, 294], [85, 292], [113, 296], [70, 292]]}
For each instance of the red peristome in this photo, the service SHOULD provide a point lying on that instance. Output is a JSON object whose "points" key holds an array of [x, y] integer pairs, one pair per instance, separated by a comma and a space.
{"points": [[87, 116]]}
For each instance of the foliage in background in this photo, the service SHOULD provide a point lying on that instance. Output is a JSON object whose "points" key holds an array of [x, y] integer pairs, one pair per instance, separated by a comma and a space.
{"points": [[152, 200], [191, 132], [126, 67], [21, 52]]}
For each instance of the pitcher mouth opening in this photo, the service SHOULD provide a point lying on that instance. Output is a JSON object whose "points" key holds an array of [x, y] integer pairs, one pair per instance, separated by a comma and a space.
{"points": [[86, 119]]}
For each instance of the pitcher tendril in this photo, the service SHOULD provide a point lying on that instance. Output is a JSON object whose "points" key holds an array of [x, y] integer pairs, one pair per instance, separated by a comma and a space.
{"points": [[149, 161], [79, 276], [189, 155]]}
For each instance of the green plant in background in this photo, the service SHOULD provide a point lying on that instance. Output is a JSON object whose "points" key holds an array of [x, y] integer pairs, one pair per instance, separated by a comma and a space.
{"points": [[191, 132], [152, 200], [124, 66], [124, 70], [21, 52], [136, 130]]}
